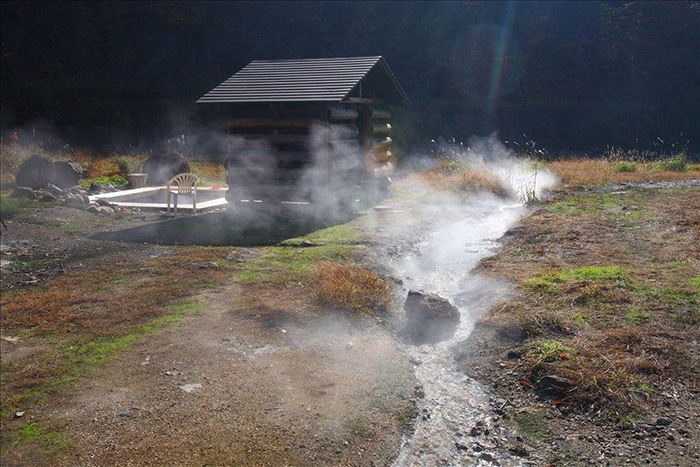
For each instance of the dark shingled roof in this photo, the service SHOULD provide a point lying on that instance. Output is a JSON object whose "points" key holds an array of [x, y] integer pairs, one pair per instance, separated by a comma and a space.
{"points": [[302, 80]]}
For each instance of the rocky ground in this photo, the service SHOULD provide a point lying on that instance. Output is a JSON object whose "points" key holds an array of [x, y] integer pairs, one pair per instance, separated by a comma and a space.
{"points": [[647, 415]]}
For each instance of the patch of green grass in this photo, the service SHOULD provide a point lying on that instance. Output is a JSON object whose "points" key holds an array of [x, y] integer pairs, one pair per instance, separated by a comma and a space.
{"points": [[549, 351], [252, 275], [579, 318], [645, 388], [626, 421], [695, 283], [614, 274], [33, 432], [296, 262], [670, 296], [340, 234], [114, 180], [636, 314], [564, 207], [626, 166], [677, 190]]}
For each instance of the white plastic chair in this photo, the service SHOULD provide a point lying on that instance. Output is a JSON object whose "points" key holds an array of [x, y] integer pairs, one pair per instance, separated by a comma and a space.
{"points": [[185, 183]]}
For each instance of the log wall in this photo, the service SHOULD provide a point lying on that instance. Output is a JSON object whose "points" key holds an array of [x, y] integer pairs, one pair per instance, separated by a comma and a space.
{"points": [[292, 153]]}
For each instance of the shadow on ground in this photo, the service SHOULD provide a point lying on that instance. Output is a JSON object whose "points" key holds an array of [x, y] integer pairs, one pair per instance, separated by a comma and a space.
{"points": [[224, 229]]}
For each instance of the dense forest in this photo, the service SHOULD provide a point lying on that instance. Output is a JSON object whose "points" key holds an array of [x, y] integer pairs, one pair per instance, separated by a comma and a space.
{"points": [[571, 75]]}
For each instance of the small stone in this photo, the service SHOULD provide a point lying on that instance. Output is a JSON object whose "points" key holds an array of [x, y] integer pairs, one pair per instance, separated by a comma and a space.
{"points": [[190, 387], [664, 421], [461, 447], [349, 346], [48, 196], [513, 354], [53, 189], [487, 457], [306, 244], [19, 414], [126, 414]]}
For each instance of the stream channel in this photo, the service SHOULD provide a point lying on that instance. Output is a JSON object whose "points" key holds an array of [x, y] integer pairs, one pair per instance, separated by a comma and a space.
{"points": [[453, 402]]}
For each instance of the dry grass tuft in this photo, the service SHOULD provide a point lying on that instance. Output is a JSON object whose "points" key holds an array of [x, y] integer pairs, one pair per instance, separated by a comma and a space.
{"points": [[587, 171], [464, 180], [351, 288]]}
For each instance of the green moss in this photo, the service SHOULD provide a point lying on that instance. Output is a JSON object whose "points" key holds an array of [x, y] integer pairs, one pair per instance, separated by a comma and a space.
{"points": [[532, 423], [33, 432]]}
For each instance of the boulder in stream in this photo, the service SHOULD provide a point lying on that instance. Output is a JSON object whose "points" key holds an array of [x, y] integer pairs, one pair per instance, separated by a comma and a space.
{"points": [[429, 318]]}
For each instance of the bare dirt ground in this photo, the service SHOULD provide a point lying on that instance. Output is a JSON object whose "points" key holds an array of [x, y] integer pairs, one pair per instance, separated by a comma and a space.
{"points": [[274, 391], [282, 382]]}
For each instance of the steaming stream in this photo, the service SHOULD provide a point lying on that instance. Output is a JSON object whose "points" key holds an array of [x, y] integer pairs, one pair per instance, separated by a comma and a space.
{"points": [[453, 402]]}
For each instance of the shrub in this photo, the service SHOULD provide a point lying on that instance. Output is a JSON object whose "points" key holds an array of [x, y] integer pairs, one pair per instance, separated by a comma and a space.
{"points": [[450, 165], [114, 180], [9, 207], [626, 166], [674, 164], [465, 180], [351, 288]]}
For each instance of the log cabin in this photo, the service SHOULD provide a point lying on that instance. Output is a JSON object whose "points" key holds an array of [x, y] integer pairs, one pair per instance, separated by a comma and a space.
{"points": [[307, 130]]}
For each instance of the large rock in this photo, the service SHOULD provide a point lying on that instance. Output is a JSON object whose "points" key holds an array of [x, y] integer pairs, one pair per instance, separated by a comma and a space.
{"points": [[67, 174], [23, 192], [164, 165], [429, 317], [35, 172]]}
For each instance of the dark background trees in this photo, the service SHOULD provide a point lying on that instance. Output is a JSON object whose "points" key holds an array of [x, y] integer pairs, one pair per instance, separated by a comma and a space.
{"points": [[570, 75]]}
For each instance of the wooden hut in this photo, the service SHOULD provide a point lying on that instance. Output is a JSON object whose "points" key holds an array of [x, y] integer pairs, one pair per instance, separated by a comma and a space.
{"points": [[306, 130]]}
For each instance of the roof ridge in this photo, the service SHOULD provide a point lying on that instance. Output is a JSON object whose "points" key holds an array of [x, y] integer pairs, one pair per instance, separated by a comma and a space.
{"points": [[268, 60], [300, 79]]}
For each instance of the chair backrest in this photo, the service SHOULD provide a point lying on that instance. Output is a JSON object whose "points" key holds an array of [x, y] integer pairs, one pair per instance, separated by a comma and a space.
{"points": [[186, 183]]}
